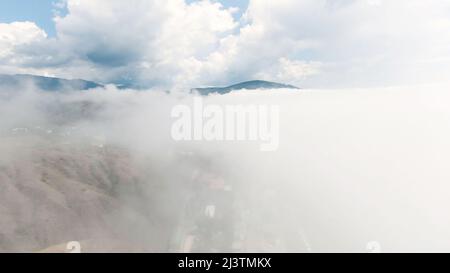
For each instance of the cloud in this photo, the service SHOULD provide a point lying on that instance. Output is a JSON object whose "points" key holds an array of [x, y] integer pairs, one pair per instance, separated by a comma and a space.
{"points": [[360, 42], [147, 42], [178, 45], [152, 41], [353, 166], [291, 70], [17, 34]]}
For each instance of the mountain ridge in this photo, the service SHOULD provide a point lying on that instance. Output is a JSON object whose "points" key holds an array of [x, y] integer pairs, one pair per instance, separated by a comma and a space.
{"points": [[47, 83], [60, 84], [248, 85]]}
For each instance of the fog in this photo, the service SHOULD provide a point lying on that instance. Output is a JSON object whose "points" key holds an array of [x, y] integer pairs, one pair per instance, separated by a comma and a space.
{"points": [[353, 168]]}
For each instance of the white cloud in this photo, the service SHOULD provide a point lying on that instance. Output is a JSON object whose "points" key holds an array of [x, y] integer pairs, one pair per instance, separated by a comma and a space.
{"points": [[291, 71], [151, 41], [17, 34], [361, 43], [353, 166], [305, 42]]}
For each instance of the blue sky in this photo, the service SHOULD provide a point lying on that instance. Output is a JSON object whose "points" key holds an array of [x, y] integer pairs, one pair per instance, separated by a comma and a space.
{"points": [[41, 11]]}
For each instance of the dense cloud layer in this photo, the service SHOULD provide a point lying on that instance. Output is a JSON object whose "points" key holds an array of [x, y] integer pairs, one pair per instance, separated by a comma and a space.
{"points": [[173, 44], [353, 166]]}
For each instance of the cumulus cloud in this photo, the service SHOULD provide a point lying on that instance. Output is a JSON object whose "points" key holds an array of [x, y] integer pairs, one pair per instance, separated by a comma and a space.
{"points": [[174, 44], [15, 35], [361, 42], [152, 41]]}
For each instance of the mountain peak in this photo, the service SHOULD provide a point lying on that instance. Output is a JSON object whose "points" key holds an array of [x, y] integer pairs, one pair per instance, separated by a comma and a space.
{"points": [[248, 85]]}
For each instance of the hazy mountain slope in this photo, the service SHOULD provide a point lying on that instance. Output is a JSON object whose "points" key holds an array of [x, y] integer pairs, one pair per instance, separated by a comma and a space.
{"points": [[249, 85], [45, 83], [76, 191]]}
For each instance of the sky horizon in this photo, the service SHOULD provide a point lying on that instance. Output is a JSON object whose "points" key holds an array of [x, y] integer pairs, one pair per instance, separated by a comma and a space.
{"points": [[180, 44]]}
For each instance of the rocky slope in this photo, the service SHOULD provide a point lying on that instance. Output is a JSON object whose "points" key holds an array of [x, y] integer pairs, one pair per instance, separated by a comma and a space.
{"points": [[54, 192]]}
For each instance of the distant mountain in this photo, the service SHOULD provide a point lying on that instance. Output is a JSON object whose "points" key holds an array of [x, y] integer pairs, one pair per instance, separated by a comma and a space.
{"points": [[13, 82], [249, 85], [46, 83]]}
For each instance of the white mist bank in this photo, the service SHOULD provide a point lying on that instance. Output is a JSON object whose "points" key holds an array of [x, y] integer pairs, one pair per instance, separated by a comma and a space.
{"points": [[352, 166]]}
